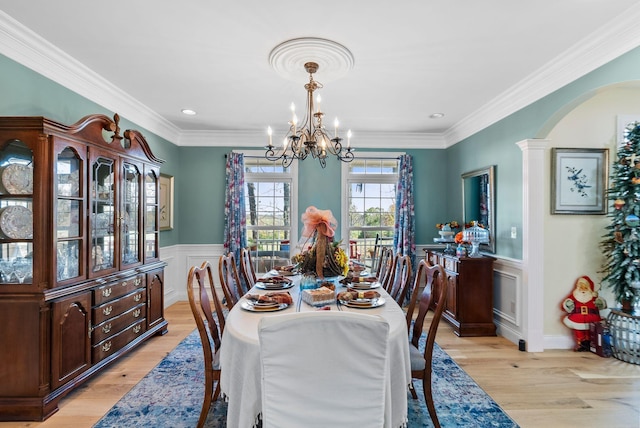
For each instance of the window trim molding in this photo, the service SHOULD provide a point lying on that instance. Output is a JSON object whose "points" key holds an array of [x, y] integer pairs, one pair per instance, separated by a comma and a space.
{"points": [[345, 179], [293, 176]]}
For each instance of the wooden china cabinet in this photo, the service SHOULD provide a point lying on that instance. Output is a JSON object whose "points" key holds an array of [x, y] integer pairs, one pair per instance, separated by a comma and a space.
{"points": [[81, 281], [469, 304]]}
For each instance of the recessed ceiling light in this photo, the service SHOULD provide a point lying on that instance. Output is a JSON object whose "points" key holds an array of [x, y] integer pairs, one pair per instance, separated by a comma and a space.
{"points": [[188, 111], [436, 115]]}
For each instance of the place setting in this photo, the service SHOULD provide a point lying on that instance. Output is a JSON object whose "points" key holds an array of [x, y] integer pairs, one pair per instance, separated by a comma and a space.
{"points": [[361, 283], [360, 299], [274, 283], [268, 302]]}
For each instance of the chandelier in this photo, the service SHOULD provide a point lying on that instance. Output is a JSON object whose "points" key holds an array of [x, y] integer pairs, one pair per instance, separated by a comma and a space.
{"points": [[310, 137]]}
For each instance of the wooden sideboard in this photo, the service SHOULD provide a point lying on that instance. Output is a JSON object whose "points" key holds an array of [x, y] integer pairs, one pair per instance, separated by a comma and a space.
{"points": [[469, 306]]}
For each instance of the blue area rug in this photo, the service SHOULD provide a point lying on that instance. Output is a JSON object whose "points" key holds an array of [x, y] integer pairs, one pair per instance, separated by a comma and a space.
{"points": [[171, 396]]}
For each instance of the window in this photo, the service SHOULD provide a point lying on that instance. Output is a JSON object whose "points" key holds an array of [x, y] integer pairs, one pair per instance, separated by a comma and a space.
{"points": [[271, 211], [369, 202]]}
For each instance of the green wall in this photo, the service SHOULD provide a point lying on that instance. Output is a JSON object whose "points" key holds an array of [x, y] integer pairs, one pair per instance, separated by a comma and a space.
{"points": [[200, 176]]}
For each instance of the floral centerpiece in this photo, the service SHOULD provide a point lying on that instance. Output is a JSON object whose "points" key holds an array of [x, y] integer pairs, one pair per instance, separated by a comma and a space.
{"points": [[320, 255]]}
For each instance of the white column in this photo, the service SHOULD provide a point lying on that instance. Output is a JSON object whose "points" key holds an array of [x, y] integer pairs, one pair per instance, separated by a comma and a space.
{"points": [[533, 193]]}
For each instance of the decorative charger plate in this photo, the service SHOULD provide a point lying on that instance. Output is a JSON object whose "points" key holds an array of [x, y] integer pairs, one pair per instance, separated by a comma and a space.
{"points": [[364, 285], [253, 307], [16, 222], [365, 303], [17, 179], [274, 285]]}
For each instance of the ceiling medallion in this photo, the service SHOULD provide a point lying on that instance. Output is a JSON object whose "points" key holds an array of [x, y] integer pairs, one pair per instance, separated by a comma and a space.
{"points": [[288, 59]]}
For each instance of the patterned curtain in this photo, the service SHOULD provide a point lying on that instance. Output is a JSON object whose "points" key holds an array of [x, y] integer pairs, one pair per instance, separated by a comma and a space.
{"points": [[235, 233], [404, 234]]}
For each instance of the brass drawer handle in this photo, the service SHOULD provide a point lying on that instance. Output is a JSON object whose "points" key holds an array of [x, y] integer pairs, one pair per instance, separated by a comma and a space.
{"points": [[106, 292], [136, 313], [137, 281], [106, 328], [106, 346], [137, 328], [137, 297], [107, 310], [124, 283]]}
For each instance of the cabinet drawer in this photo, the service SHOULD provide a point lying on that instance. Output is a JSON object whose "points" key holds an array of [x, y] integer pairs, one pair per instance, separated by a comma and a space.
{"points": [[116, 342], [114, 290], [116, 307], [114, 325], [451, 265]]}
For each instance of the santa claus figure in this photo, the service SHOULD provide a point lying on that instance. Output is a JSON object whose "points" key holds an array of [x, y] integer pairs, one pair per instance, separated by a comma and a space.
{"points": [[583, 307]]}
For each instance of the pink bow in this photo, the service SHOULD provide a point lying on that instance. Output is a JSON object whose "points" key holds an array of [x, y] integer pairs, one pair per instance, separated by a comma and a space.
{"points": [[321, 220]]}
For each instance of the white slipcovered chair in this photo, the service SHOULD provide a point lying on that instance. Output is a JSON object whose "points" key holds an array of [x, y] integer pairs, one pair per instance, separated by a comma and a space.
{"points": [[323, 369]]}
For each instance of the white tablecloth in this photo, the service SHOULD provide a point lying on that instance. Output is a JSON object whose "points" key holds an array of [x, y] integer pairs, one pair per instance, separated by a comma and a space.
{"points": [[240, 360]]}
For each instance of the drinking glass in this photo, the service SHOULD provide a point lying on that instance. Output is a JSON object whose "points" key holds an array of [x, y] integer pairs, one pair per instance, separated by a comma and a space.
{"points": [[6, 270], [22, 268]]}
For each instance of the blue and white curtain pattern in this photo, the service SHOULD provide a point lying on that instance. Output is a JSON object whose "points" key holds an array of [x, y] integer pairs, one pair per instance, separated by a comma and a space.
{"points": [[235, 234], [405, 227]]}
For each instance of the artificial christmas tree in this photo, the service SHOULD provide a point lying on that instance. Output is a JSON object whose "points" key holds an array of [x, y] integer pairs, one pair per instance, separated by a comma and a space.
{"points": [[621, 244]]}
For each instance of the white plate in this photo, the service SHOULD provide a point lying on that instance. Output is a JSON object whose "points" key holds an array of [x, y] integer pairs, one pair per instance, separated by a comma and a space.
{"points": [[251, 307], [272, 286], [364, 285], [17, 179], [365, 303], [16, 222]]}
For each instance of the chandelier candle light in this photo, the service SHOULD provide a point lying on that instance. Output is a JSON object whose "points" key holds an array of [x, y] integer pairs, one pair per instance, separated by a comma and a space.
{"points": [[311, 138]]}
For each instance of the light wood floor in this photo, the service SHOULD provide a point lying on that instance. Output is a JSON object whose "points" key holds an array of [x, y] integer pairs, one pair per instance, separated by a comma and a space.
{"points": [[550, 389]]}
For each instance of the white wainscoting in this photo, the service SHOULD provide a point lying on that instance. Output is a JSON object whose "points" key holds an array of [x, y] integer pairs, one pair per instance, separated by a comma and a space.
{"points": [[179, 260], [507, 298]]}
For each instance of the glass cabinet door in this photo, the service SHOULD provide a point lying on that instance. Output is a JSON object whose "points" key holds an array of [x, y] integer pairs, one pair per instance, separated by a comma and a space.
{"points": [[69, 213], [16, 213], [130, 214], [151, 215], [102, 215]]}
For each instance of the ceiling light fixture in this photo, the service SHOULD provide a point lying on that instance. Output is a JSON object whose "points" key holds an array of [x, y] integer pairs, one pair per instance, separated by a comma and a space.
{"points": [[188, 111], [311, 137]]}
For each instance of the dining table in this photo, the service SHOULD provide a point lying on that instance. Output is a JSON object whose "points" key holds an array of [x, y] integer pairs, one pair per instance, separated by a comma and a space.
{"points": [[241, 372]]}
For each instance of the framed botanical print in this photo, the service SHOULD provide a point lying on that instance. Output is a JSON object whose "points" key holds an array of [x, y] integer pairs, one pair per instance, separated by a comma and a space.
{"points": [[166, 202], [578, 181]]}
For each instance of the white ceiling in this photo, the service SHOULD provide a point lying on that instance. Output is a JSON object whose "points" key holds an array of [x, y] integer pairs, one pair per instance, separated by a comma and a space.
{"points": [[476, 61]]}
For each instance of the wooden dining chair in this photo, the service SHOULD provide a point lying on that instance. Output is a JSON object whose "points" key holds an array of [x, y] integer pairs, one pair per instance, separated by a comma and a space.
{"points": [[199, 285], [247, 271], [317, 373], [427, 275], [229, 279], [382, 261], [388, 276], [421, 361], [401, 279], [380, 243]]}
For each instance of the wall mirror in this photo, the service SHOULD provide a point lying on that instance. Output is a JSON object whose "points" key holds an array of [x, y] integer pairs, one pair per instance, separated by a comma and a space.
{"points": [[478, 202]]}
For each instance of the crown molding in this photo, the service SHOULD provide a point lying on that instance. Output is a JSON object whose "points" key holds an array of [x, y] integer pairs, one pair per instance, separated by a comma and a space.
{"points": [[610, 41], [363, 139], [32, 51], [607, 43]]}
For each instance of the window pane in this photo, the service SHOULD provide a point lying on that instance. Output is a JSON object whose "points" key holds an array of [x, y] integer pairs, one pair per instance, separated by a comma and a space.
{"points": [[268, 212], [374, 166], [372, 200]]}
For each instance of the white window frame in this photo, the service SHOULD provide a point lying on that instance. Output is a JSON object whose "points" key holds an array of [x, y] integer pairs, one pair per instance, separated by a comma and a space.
{"points": [[292, 178], [348, 178]]}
